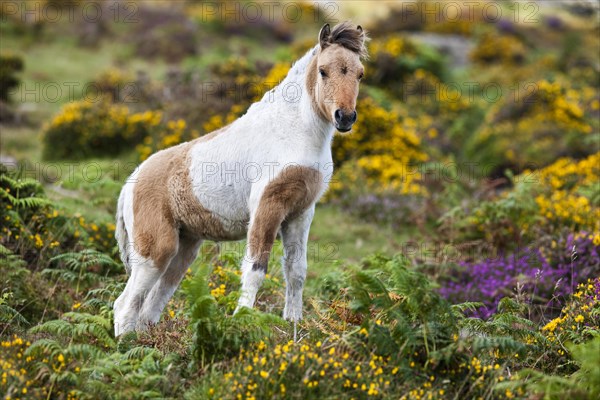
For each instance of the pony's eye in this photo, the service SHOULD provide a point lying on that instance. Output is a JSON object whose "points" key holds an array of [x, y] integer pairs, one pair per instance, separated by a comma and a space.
{"points": [[322, 73]]}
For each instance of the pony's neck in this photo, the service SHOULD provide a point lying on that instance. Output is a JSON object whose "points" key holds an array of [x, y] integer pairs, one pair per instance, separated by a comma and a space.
{"points": [[309, 111], [316, 129]]}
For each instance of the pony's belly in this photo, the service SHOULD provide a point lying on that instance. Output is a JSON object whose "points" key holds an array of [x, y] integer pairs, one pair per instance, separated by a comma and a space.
{"points": [[229, 208], [236, 230], [209, 224]]}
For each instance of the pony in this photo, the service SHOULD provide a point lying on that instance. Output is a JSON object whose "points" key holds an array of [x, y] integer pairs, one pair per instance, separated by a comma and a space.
{"points": [[256, 178]]}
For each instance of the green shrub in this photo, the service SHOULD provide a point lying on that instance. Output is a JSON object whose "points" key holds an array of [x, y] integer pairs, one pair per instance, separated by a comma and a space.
{"points": [[394, 58], [10, 66], [163, 32], [35, 229]]}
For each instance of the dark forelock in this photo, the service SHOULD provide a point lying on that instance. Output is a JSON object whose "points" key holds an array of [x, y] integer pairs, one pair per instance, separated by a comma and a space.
{"points": [[347, 35]]}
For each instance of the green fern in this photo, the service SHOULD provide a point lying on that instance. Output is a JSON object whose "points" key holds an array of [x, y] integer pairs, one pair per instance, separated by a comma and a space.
{"points": [[79, 327], [140, 373], [415, 316], [8, 315], [216, 335], [82, 269], [22, 193], [583, 384]]}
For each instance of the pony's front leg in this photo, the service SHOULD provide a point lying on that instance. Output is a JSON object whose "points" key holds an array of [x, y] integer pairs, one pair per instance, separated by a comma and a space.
{"points": [[253, 275], [292, 192], [295, 242], [261, 236]]}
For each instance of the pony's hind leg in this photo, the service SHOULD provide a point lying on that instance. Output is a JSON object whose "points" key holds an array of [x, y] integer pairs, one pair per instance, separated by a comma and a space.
{"points": [[165, 286], [145, 272], [144, 275]]}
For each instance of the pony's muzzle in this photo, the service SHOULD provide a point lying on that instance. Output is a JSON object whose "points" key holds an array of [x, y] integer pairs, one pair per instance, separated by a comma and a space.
{"points": [[344, 120]]}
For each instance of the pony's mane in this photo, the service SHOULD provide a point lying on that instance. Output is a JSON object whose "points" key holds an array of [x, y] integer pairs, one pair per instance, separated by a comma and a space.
{"points": [[299, 67], [296, 74], [347, 35]]}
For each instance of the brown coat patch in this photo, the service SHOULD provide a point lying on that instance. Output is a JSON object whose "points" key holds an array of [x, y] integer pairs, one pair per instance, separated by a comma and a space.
{"points": [[287, 196], [164, 205]]}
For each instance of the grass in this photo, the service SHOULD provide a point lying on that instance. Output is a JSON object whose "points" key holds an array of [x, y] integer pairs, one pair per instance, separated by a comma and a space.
{"points": [[21, 142], [336, 239], [57, 70]]}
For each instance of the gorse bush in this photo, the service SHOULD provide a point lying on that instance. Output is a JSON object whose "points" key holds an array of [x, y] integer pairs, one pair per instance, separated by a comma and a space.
{"points": [[86, 129], [547, 120], [117, 84], [173, 133], [493, 48], [385, 159], [562, 195], [394, 58], [569, 195], [103, 128]]}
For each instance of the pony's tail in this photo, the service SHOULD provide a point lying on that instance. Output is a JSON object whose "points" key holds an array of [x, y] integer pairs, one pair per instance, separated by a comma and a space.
{"points": [[121, 233]]}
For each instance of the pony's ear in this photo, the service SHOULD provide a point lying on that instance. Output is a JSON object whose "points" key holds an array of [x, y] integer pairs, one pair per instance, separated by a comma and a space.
{"points": [[324, 35], [363, 34]]}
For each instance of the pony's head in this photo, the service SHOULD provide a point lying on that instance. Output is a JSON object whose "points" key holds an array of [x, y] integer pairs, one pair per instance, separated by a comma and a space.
{"points": [[335, 73]]}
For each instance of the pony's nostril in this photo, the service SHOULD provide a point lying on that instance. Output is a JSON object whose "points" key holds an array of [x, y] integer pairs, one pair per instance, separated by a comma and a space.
{"points": [[338, 115], [354, 116]]}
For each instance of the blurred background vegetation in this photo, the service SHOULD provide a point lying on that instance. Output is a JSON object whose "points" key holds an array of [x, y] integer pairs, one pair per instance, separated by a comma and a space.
{"points": [[476, 156]]}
